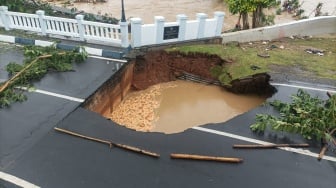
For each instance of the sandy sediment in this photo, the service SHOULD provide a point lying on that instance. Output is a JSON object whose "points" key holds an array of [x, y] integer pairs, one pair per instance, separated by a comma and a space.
{"points": [[137, 111]]}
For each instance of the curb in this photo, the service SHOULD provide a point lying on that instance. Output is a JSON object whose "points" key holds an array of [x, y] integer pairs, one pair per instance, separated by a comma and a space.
{"points": [[89, 50]]}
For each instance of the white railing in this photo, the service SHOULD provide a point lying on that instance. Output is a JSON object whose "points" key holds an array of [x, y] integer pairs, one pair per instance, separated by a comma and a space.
{"points": [[18, 20], [161, 32], [95, 31], [142, 35], [74, 28], [60, 26]]}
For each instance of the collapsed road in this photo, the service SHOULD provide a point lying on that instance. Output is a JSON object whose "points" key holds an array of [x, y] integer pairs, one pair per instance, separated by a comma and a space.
{"points": [[32, 153]]}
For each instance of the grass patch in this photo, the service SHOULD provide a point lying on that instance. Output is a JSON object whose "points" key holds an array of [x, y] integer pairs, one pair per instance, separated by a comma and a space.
{"points": [[289, 53]]}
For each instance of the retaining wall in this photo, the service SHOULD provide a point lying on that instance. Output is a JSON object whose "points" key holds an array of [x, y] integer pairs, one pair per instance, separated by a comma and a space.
{"points": [[306, 27]]}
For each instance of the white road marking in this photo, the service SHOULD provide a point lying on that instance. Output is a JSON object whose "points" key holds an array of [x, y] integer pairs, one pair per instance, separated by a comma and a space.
{"points": [[303, 87], [54, 94], [110, 59], [60, 96], [17, 181], [238, 137]]}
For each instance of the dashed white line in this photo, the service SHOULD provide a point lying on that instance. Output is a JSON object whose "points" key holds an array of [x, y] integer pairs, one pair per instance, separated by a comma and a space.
{"points": [[60, 96], [304, 87], [17, 181], [110, 59], [238, 137], [55, 95]]}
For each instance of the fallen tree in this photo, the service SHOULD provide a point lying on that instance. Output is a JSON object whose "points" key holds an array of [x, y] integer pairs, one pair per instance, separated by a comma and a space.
{"points": [[311, 117]]}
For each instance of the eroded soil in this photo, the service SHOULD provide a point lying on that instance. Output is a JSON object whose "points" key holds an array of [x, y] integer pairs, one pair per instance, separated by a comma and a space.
{"points": [[163, 104]]}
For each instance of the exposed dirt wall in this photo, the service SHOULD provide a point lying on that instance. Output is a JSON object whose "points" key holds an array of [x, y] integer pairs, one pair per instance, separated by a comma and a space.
{"points": [[159, 66]]}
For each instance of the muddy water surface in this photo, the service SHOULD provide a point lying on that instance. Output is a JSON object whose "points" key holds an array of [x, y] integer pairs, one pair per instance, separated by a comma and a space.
{"points": [[176, 106], [147, 9]]}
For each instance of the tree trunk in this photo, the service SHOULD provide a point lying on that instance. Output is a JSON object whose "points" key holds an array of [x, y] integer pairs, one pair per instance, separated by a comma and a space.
{"points": [[246, 24], [257, 17], [238, 26]]}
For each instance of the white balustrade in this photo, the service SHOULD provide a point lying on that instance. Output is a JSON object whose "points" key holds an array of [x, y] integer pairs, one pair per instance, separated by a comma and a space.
{"points": [[102, 31], [73, 28], [166, 32], [61, 26], [29, 22], [116, 34]]}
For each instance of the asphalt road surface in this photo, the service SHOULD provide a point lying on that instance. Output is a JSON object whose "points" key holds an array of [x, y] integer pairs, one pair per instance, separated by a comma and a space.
{"points": [[32, 153]]}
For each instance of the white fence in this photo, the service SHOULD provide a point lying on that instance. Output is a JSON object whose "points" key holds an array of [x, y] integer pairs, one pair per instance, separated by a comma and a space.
{"points": [[161, 32], [75, 28], [142, 35]]}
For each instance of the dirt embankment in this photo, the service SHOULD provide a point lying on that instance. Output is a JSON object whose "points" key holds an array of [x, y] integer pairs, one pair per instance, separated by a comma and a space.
{"points": [[160, 66]]}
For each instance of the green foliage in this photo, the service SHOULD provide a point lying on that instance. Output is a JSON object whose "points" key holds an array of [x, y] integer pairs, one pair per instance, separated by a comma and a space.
{"points": [[311, 117], [268, 19], [26, 6], [243, 7], [240, 6], [9, 96], [222, 74], [58, 61], [13, 68]]}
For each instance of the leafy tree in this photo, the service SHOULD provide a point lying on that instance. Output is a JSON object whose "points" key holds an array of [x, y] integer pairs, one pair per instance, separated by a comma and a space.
{"points": [[257, 9], [311, 117], [241, 7]]}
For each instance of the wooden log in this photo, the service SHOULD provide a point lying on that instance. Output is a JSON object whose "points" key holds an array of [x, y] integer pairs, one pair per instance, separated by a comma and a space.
{"points": [[329, 94], [123, 146], [137, 150], [267, 146], [322, 152], [83, 136], [205, 158]]}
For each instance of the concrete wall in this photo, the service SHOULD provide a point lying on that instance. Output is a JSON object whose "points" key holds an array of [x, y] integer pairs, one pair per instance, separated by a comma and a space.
{"points": [[153, 34], [306, 27], [112, 92]]}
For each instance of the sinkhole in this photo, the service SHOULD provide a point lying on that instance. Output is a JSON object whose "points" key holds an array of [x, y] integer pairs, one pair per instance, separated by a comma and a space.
{"points": [[171, 92]]}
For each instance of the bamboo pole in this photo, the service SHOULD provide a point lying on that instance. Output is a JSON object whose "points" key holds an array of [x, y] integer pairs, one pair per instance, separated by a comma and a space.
{"points": [[329, 94], [322, 152], [205, 158], [82, 136], [123, 146], [137, 150], [268, 146], [8, 82]]}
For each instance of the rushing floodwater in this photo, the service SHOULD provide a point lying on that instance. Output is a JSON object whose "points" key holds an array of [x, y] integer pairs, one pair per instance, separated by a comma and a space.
{"points": [[176, 106]]}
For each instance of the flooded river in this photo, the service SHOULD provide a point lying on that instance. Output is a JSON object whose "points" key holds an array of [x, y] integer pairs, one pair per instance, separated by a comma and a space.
{"points": [[147, 9], [176, 106]]}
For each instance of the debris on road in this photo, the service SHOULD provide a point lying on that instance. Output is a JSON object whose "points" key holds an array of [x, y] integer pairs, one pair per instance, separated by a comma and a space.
{"points": [[206, 158], [264, 55], [123, 146], [267, 146], [315, 51]]}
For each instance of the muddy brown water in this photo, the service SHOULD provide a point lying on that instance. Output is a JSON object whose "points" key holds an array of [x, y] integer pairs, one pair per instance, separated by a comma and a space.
{"points": [[147, 9], [176, 106]]}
